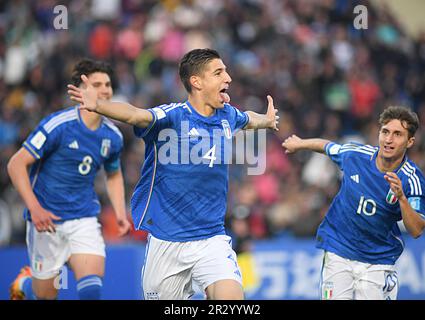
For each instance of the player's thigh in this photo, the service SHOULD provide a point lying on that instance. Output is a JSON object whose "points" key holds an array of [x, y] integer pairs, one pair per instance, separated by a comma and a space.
{"points": [[87, 247], [217, 271], [377, 285], [337, 279], [225, 290], [87, 264], [166, 275], [47, 252]]}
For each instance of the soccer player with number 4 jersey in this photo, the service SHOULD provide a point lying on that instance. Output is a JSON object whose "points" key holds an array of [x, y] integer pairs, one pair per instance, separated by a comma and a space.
{"points": [[380, 186], [181, 199], [65, 152]]}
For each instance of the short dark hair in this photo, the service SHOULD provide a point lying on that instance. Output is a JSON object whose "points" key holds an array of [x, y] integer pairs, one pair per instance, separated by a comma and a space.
{"points": [[405, 115], [88, 66], [193, 63]]}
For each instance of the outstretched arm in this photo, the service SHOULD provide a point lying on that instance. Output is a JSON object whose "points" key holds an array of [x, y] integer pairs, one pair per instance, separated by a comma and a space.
{"points": [[263, 121], [120, 111], [294, 143]]}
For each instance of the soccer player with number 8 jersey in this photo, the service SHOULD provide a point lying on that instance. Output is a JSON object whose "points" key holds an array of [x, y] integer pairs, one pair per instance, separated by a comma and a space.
{"points": [[65, 152]]}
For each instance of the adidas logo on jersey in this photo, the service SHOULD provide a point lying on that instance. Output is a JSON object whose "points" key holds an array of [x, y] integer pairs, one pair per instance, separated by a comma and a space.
{"points": [[355, 178], [73, 145], [193, 133]]}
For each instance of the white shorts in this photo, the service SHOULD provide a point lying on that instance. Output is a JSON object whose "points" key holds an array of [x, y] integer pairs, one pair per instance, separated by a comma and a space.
{"points": [[170, 267], [48, 252], [344, 279]]}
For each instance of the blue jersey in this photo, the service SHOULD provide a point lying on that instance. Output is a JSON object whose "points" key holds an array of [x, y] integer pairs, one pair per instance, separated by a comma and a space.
{"points": [[361, 223], [68, 157], [182, 193]]}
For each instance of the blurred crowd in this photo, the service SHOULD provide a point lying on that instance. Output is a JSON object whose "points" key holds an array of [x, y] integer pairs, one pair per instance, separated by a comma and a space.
{"points": [[327, 79]]}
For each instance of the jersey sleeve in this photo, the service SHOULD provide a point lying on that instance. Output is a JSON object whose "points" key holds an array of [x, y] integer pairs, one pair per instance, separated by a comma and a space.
{"points": [[43, 140], [113, 163], [333, 150], [414, 194], [341, 153], [239, 119], [161, 120]]}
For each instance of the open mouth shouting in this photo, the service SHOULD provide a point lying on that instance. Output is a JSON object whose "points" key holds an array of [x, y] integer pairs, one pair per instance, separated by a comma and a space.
{"points": [[224, 96]]}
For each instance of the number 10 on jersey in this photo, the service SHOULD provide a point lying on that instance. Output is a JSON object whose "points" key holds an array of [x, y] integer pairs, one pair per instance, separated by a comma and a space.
{"points": [[366, 206]]}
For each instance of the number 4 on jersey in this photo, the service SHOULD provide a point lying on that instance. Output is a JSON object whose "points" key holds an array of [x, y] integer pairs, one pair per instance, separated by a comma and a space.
{"points": [[210, 155]]}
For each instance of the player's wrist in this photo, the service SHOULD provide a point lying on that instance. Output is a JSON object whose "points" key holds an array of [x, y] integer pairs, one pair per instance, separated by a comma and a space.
{"points": [[33, 206], [402, 199]]}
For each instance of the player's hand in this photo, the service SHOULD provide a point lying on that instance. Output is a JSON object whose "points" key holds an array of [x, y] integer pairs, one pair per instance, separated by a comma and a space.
{"points": [[86, 96], [271, 114], [124, 226], [292, 144], [395, 184], [43, 219]]}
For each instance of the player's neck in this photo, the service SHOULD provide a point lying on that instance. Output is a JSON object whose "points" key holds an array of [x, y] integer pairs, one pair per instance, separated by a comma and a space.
{"points": [[200, 106], [387, 165], [91, 119]]}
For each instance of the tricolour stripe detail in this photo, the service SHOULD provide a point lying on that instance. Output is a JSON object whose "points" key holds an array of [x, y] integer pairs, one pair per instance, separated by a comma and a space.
{"points": [[151, 188], [152, 123], [31, 150], [60, 119]]}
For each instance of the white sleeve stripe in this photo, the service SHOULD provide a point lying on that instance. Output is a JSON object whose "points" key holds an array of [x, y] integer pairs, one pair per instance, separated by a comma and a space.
{"points": [[66, 114], [169, 109], [172, 106], [358, 150], [412, 191], [168, 106], [112, 126], [413, 181], [57, 124], [415, 177], [365, 148], [58, 120]]}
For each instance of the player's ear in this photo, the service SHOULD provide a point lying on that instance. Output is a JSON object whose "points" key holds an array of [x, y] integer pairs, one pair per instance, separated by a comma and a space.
{"points": [[410, 142], [195, 81]]}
